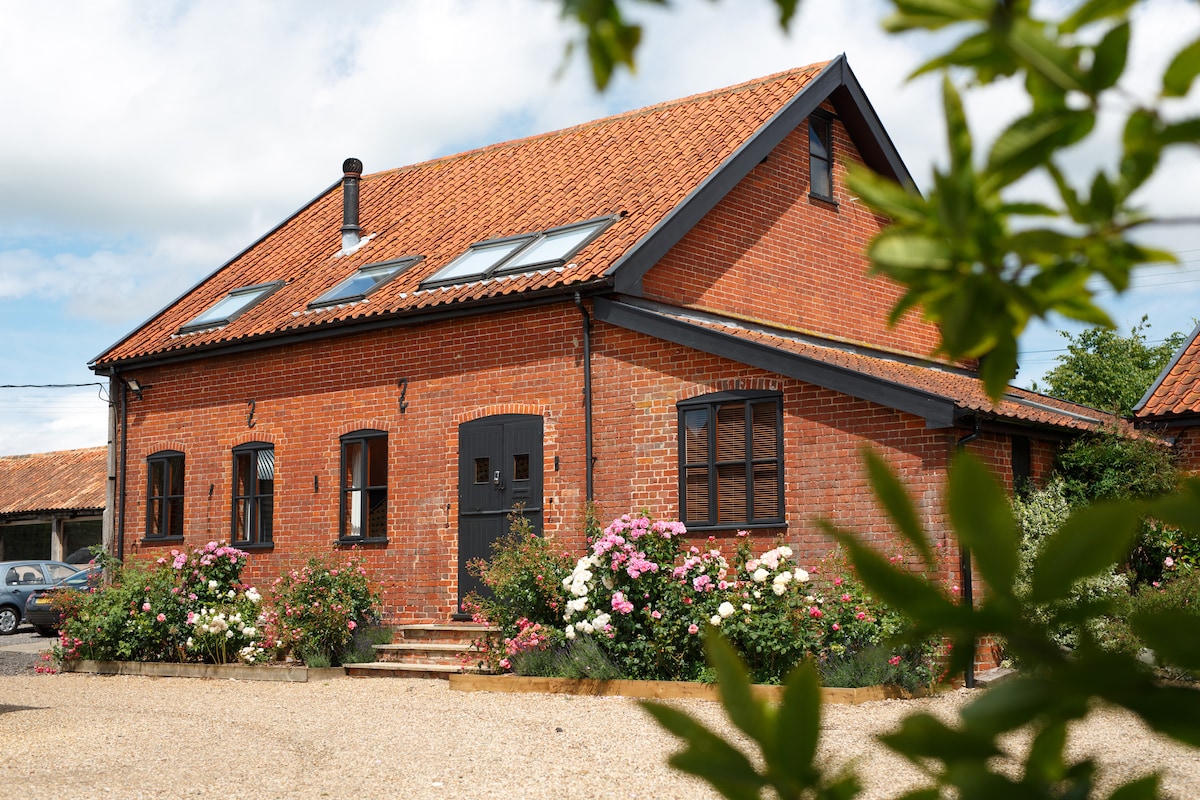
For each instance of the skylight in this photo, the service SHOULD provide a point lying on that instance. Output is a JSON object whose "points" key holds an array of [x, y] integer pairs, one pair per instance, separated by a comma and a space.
{"points": [[363, 282], [518, 253], [231, 306]]}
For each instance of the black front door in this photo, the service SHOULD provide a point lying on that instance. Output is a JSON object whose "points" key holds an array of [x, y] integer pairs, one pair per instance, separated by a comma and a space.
{"points": [[499, 466]]}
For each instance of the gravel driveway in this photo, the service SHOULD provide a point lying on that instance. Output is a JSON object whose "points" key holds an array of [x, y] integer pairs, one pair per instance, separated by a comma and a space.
{"points": [[84, 736]]}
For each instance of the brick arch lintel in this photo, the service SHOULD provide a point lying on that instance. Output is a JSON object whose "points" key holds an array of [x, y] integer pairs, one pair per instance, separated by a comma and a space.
{"points": [[734, 385]]}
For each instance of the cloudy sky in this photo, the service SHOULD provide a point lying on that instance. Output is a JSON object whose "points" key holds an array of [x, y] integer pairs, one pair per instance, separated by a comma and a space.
{"points": [[145, 143]]}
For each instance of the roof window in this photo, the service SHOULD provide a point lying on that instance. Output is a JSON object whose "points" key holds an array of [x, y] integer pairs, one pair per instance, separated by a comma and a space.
{"points": [[364, 281], [231, 306], [549, 248]]}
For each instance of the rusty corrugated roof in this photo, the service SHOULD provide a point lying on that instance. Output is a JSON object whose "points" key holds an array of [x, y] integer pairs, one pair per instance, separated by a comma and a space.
{"points": [[63, 480], [638, 166]]}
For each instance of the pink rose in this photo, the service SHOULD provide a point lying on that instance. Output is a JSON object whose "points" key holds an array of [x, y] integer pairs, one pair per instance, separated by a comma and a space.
{"points": [[161, 618], [692, 629], [894, 660], [351, 624], [145, 606]]}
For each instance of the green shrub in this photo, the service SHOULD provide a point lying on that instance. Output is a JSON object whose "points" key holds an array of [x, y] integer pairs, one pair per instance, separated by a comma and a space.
{"points": [[315, 610], [581, 657], [1111, 466]]}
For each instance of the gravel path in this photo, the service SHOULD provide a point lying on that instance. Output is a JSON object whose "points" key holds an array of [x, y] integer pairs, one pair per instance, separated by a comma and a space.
{"points": [[84, 736]]}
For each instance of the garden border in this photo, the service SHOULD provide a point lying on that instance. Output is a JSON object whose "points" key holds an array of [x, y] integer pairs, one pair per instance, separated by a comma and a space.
{"points": [[655, 690], [240, 672]]}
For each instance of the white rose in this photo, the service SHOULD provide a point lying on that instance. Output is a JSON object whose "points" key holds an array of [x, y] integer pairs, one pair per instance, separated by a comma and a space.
{"points": [[570, 631], [745, 606], [760, 575], [778, 588], [715, 620], [585, 626], [725, 609], [801, 575], [213, 584], [601, 620], [783, 577], [785, 551]]}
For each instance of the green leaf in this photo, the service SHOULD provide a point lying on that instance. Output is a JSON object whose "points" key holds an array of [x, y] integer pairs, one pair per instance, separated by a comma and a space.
{"points": [[1094, 11], [883, 195], [708, 756], [1029, 142], [1108, 61], [1092, 539], [1182, 71], [895, 499], [787, 10], [1172, 633], [1173, 710], [958, 135], [1183, 132], [797, 729], [1045, 763], [999, 366], [983, 518], [1028, 40], [1141, 789], [1010, 705], [923, 736], [905, 250], [1181, 509], [743, 710]]}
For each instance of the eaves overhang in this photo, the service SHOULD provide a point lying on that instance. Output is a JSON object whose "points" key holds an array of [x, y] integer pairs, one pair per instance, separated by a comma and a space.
{"points": [[937, 411], [353, 326]]}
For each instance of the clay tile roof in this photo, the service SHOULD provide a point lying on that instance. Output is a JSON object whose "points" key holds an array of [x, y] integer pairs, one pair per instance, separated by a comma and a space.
{"points": [[636, 167], [65, 480], [956, 388], [1176, 392]]}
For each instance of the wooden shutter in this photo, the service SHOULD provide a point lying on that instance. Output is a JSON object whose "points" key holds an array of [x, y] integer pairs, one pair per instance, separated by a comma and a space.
{"points": [[765, 452]]}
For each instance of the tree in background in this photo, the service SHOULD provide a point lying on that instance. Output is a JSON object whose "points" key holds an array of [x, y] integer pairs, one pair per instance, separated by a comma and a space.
{"points": [[1108, 371], [981, 261]]}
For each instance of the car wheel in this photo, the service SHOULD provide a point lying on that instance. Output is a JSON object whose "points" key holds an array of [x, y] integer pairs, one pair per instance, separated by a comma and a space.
{"points": [[43, 630], [9, 620]]}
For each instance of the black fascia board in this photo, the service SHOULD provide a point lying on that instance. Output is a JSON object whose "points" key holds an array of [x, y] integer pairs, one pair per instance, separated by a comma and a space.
{"points": [[350, 327], [866, 129], [628, 270], [211, 275], [937, 411]]}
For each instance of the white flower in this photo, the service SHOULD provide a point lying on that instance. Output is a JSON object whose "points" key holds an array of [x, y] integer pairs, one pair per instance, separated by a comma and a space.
{"points": [[783, 577], [578, 604], [785, 551], [228, 634], [757, 595], [778, 588], [725, 609], [231, 594], [213, 584], [601, 620], [801, 575], [584, 626], [608, 582], [745, 606], [570, 631], [715, 620], [760, 575]]}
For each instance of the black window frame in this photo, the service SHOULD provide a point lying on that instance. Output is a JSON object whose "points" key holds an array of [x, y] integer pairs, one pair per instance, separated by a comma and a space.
{"points": [[820, 127], [711, 518], [365, 438], [261, 291], [169, 460], [250, 506], [398, 267]]}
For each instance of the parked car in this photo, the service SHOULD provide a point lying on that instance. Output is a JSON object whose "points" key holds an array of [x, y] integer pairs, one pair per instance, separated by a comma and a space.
{"points": [[40, 611], [20, 578]]}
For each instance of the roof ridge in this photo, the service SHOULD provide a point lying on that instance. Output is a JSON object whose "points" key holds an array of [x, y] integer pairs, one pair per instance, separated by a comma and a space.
{"points": [[623, 115]]}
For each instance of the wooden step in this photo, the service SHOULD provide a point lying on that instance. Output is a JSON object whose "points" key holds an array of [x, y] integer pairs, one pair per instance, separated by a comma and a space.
{"points": [[380, 669]]}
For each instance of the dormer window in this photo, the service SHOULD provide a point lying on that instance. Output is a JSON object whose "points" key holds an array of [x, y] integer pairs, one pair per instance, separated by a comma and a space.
{"points": [[363, 282], [820, 157], [231, 306], [525, 253]]}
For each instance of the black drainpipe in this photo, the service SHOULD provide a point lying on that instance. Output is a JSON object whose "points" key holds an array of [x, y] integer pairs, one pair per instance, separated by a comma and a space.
{"points": [[964, 565], [587, 394], [124, 454]]}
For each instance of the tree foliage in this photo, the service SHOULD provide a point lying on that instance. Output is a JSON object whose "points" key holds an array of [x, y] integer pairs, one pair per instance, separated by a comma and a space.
{"points": [[1108, 371]]}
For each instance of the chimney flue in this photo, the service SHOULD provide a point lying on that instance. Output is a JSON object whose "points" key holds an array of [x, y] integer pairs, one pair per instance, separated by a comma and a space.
{"points": [[352, 173]]}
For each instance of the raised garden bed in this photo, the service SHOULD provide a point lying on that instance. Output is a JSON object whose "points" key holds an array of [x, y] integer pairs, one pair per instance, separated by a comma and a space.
{"points": [[240, 672], [658, 690]]}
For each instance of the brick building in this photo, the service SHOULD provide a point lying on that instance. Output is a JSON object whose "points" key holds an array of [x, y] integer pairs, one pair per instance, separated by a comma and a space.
{"points": [[1171, 406], [666, 309], [52, 504]]}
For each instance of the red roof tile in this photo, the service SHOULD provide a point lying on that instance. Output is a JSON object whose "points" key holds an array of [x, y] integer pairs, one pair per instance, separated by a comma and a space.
{"points": [[640, 166], [957, 386], [66, 480], [1177, 390]]}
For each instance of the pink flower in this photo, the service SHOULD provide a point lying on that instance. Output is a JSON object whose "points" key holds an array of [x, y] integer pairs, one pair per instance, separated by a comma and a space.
{"points": [[894, 660], [860, 615], [815, 613], [692, 629], [161, 618], [145, 606], [845, 598], [505, 663], [1168, 562], [837, 581], [836, 627], [351, 624], [656, 614]]}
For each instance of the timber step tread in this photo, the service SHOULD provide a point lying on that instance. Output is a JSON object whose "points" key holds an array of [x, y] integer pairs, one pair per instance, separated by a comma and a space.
{"points": [[396, 666], [440, 647], [470, 627]]}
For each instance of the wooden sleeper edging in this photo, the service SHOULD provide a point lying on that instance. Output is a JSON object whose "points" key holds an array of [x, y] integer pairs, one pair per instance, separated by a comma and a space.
{"points": [[241, 672]]}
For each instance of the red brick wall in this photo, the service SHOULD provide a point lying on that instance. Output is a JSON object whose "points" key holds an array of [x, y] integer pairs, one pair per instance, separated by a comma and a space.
{"points": [[768, 252], [306, 396]]}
